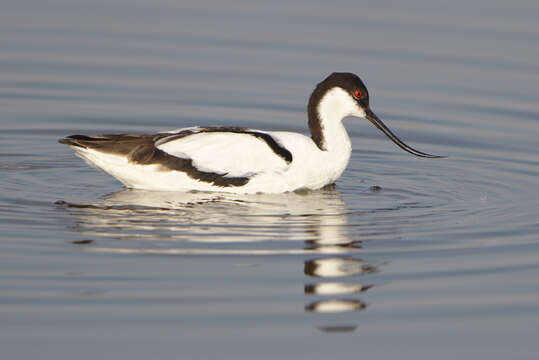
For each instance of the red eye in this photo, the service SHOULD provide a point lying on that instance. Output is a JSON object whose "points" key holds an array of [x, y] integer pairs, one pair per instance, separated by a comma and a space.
{"points": [[357, 94]]}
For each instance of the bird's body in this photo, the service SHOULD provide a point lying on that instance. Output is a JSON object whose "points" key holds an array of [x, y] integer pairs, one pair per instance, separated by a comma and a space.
{"points": [[240, 160]]}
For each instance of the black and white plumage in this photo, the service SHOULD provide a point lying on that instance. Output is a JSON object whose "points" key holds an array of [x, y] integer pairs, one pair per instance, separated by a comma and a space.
{"points": [[241, 160]]}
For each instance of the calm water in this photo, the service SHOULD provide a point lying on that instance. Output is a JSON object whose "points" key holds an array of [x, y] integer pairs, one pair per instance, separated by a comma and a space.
{"points": [[404, 257]]}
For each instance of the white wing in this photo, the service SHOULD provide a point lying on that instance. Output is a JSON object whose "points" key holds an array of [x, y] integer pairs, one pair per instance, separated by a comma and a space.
{"points": [[231, 151]]}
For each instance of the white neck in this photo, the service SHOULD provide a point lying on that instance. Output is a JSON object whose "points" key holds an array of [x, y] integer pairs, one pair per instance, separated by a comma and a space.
{"points": [[334, 106]]}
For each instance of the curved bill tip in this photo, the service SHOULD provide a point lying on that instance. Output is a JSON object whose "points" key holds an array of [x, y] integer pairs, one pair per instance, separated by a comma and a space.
{"points": [[380, 125]]}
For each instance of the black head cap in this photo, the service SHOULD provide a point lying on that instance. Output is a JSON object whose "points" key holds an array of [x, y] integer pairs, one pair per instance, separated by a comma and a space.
{"points": [[352, 84], [349, 82]]}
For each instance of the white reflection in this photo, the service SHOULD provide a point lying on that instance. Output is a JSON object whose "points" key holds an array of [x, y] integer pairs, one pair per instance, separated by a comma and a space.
{"points": [[305, 223], [335, 306], [335, 288], [337, 266], [316, 218]]}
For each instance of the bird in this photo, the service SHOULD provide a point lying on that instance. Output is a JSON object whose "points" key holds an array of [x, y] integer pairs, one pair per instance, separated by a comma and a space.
{"points": [[238, 159]]}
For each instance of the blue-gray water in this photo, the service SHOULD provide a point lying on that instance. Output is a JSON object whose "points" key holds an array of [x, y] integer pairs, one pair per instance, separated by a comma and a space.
{"points": [[405, 258]]}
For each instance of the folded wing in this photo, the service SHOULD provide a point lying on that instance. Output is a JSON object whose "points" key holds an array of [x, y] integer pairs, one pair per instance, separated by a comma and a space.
{"points": [[233, 152]]}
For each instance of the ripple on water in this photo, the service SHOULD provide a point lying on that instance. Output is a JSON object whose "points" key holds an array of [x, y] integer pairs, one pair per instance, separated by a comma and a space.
{"points": [[428, 256]]}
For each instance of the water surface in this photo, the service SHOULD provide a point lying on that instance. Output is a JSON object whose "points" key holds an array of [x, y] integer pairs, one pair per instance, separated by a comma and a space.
{"points": [[407, 257]]}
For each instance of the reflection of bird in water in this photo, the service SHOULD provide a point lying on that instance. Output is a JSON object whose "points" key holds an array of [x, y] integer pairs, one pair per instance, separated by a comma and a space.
{"points": [[198, 217], [333, 306], [241, 160], [197, 223], [335, 288], [338, 266], [335, 267]]}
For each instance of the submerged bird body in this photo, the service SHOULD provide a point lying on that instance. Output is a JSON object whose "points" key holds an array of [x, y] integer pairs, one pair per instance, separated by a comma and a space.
{"points": [[240, 160]]}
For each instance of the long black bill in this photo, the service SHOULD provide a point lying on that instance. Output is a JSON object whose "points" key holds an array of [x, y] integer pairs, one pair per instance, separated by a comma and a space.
{"points": [[380, 125]]}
